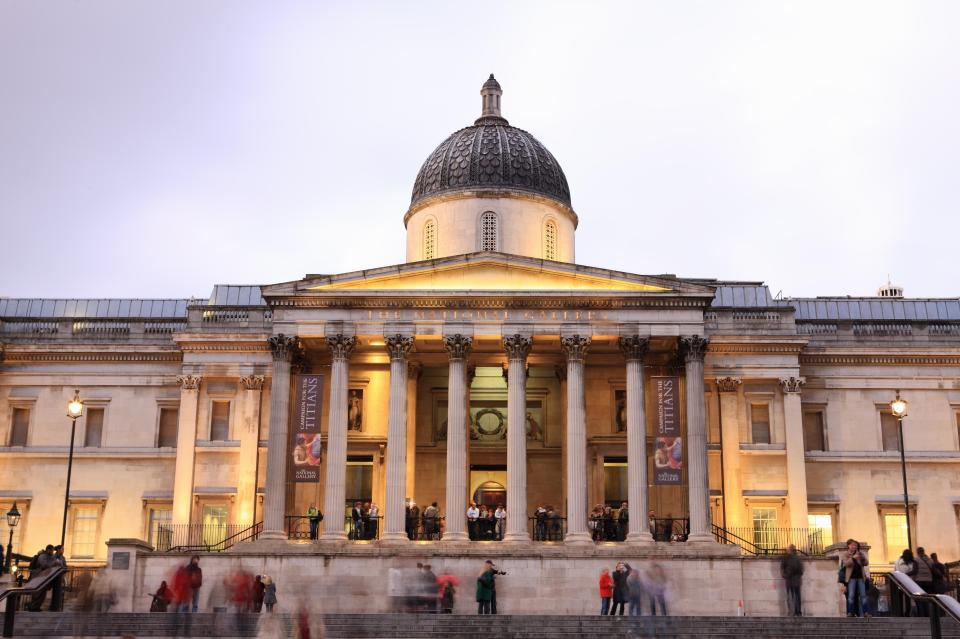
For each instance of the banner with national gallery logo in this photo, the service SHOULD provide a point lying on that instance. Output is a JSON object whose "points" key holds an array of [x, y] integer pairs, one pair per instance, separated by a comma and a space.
{"points": [[305, 442], [668, 445]]}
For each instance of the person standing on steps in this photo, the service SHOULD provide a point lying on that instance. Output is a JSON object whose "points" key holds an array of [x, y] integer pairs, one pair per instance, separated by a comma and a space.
{"points": [[924, 579], [269, 593], [485, 589], [195, 581], [791, 569], [856, 572], [619, 589], [606, 591]]}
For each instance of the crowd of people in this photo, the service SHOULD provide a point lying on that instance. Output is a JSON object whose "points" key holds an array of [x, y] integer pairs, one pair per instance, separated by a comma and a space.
{"points": [[625, 590], [240, 591], [486, 523], [364, 521], [421, 590], [929, 573]]}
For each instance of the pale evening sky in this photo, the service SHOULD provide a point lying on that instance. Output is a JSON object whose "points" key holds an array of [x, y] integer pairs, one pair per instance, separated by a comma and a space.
{"points": [[154, 149]]}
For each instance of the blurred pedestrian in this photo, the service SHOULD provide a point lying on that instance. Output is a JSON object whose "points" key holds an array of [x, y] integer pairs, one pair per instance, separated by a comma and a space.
{"points": [[634, 591], [941, 578], [258, 592], [656, 586], [485, 589], [269, 593], [791, 569], [195, 576]]}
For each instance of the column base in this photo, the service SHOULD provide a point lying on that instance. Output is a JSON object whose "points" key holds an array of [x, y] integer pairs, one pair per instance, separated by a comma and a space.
{"points": [[268, 535], [577, 539], [334, 537], [394, 539], [516, 538], [643, 538], [455, 538]]}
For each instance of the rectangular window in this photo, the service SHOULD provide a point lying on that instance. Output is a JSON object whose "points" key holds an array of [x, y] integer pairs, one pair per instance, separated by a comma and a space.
{"points": [[888, 430], [813, 431], [764, 527], [895, 528], [19, 426], [169, 425], [159, 531], [760, 423], [84, 538], [219, 421], [821, 525], [214, 523], [93, 434]]}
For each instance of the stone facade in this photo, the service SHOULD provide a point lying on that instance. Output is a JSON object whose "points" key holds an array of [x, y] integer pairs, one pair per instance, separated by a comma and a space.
{"points": [[487, 370]]}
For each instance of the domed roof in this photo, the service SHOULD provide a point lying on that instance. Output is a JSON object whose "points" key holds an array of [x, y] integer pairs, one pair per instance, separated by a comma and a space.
{"points": [[493, 155]]}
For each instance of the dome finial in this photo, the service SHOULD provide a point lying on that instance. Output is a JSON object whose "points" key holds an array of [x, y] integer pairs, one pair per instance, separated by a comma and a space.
{"points": [[491, 93]]}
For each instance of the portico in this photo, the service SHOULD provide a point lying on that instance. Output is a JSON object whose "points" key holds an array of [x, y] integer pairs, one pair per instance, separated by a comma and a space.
{"points": [[468, 312]]}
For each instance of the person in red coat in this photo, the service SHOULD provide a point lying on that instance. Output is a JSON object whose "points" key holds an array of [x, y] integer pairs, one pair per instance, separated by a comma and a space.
{"points": [[606, 591]]}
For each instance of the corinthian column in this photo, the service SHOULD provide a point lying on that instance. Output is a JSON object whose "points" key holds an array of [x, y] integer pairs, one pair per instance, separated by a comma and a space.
{"points": [[395, 524], [458, 347], [575, 348], [796, 462], [517, 347], [275, 499], [341, 347], [694, 349], [186, 447], [249, 446], [634, 349]]}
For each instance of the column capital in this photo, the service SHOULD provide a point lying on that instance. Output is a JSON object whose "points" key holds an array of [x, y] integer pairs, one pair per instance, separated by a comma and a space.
{"points": [[634, 346], [398, 345], [283, 347], [189, 382], [517, 346], [252, 382], [792, 384], [341, 346], [458, 346], [694, 348], [728, 384], [575, 347]]}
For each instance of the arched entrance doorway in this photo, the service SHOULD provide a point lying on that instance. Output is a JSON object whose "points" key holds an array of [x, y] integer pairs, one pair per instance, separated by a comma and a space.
{"points": [[490, 494]]}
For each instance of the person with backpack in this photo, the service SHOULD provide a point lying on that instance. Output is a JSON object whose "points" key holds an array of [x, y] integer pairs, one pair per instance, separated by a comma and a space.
{"points": [[791, 569], [941, 578], [924, 579]]}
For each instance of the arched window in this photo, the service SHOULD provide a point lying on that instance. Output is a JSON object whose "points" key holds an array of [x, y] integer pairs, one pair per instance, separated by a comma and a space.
{"points": [[430, 239], [488, 232], [550, 240]]}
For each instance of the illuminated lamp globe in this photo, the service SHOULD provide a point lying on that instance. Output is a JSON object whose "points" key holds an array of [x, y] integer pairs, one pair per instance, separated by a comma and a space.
{"points": [[898, 407], [75, 406]]}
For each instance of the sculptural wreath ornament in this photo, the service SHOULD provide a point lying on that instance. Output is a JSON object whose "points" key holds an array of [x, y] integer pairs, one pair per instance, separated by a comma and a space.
{"points": [[498, 430]]}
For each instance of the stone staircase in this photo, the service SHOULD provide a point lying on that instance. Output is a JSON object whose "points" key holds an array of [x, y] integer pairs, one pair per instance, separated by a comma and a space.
{"points": [[383, 626]]}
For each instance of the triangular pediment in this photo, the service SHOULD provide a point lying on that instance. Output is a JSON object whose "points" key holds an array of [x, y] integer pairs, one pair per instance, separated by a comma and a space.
{"points": [[489, 272]]}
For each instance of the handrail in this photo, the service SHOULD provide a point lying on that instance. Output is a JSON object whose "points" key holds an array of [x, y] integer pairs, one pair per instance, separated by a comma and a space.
{"points": [[38, 583], [724, 536], [251, 532], [911, 589]]}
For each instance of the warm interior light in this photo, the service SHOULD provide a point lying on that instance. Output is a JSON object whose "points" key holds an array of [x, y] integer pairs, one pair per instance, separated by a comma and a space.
{"points": [[898, 406], [13, 517], [75, 406]]}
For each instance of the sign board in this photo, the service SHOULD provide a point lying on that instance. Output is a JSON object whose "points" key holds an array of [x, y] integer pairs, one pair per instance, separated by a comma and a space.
{"points": [[668, 445], [305, 444]]}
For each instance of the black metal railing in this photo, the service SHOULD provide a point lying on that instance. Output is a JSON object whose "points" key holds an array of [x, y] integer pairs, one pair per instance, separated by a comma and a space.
{"points": [[669, 529], [902, 589], [774, 541], [771, 541], [364, 528], [204, 537], [547, 527], [486, 529]]}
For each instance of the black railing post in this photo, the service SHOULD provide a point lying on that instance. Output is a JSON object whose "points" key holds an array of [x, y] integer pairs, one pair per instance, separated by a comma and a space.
{"points": [[934, 613], [9, 615]]}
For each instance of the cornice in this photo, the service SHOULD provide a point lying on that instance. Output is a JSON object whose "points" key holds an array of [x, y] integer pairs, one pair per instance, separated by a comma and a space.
{"points": [[765, 348], [226, 347], [879, 359], [526, 301], [35, 356]]}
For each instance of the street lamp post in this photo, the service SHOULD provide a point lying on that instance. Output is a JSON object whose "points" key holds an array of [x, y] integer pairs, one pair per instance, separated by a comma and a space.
{"points": [[13, 518], [899, 409], [74, 410]]}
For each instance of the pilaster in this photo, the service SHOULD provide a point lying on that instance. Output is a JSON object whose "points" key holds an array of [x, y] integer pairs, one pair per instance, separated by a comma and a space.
{"points": [[249, 432], [730, 451], [796, 463], [186, 448]]}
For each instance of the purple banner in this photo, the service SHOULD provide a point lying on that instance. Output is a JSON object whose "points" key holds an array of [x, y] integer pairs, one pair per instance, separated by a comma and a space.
{"points": [[668, 445], [305, 439]]}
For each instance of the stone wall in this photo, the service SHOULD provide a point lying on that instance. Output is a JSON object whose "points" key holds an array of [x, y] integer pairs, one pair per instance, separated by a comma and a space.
{"points": [[548, 580]]}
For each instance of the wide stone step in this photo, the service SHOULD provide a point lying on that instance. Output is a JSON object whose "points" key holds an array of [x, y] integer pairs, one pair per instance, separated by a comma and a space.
{"points": [[379, 626]]}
